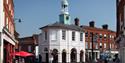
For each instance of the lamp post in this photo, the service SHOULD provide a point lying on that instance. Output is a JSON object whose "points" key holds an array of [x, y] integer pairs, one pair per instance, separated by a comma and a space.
{"points": [[19, 47]]}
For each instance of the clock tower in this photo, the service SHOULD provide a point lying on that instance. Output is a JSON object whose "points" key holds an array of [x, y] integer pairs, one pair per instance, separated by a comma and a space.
{"points": [[64, 17]]}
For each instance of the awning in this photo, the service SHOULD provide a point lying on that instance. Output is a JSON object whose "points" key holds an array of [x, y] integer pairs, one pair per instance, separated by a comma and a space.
{"points": [[23, 54]]}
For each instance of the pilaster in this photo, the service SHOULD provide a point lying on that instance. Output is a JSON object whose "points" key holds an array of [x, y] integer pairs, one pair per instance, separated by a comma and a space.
{"points": [[60, 57], [68, 58], [1, 48], [78, 57]]}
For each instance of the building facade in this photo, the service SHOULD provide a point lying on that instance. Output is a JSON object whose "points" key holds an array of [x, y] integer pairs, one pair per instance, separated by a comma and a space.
{"points": [[120, 4], [7, 31], [103, 40], [62, 42], [29, 44]]}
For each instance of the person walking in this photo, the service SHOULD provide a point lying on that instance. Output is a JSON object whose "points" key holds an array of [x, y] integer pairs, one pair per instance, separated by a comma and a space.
{"points": [[116, 60], [40, 58]]}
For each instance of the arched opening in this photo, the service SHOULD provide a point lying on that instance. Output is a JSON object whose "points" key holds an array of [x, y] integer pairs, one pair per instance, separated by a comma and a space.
{"points": [[81, 56], [73, 55], [46, 55], [64, 56], [55, 56]]}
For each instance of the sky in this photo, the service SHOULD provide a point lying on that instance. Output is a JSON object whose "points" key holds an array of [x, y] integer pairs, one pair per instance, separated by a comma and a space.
{"points": [[38, 13]]}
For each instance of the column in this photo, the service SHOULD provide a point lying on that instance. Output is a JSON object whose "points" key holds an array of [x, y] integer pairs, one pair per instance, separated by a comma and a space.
{"points": [[68, 57], [84, 56], [1, 49], [50, 57], [59, 57], [98, 54], [78, 57]]}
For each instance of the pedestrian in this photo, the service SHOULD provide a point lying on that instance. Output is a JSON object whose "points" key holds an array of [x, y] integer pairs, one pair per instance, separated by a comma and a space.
{"points": [[116, 60], [40, 58]]}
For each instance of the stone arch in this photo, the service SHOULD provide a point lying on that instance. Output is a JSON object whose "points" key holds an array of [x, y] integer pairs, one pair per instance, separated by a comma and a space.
{"points": [[81, 55], [63, 56], [55, 56], [73, 55]]}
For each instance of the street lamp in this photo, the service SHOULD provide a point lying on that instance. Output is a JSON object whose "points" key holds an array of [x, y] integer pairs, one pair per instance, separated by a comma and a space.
{"points": [[19, 20], [18, 45]]}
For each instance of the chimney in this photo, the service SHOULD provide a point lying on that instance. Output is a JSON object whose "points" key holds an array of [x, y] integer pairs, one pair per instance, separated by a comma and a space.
{"points": [[105, 26], [76, 20], [92, 24]]}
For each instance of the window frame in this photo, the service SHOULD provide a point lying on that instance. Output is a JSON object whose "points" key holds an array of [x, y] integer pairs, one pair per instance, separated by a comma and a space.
{"points": [[63, 34], [73, 35], [81, 36]]}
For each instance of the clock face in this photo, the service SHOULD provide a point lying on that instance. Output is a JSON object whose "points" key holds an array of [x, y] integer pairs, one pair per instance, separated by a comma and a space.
{"points": [[67, 17]]}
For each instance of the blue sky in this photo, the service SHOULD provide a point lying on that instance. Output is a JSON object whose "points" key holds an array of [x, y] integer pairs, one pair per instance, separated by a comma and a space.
{"points": [[37, 13]]}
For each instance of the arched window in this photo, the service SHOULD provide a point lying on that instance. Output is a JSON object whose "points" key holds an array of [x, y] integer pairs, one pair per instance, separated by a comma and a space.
{"points": [[81, 56], [64, 56], [73, 55], [55, 56]]}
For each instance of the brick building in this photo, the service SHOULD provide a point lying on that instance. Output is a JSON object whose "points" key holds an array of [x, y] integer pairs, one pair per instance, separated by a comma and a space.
{"points": [[29, 44], [7, 31], [120, 16], [103, 40], [120, 4]]}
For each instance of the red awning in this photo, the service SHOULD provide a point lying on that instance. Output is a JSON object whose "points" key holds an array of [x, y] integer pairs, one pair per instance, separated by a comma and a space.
{"points": [[23, 54]]}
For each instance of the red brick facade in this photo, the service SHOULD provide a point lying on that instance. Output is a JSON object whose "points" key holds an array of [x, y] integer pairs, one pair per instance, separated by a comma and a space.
{"points": [[104, 36], [9, 30], [9, 16], [120, 16], [28, 44]]}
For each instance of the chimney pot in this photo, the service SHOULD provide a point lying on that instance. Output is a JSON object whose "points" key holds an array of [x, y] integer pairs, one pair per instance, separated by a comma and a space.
{"points": [[76, 21], [92, 24], [105, 26]]}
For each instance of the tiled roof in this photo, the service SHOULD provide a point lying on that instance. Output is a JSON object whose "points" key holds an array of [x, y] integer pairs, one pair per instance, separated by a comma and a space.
{"points": [[63, 26]]}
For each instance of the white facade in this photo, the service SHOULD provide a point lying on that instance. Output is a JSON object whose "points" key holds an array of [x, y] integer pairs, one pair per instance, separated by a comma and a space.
{"points": [[55, 41], [1, 26]]}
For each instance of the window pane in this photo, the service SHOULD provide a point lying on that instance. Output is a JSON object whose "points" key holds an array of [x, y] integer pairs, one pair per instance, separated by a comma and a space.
{"points": [[86, 34], [63, 35], [81, 36], [90, 34], [53, 35], [45, 35], [86, 45], [73, 36], [104, 45]]}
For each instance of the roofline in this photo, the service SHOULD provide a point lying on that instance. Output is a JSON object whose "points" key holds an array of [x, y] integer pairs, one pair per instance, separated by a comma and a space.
{"points": [[98, 28], [56, 27]]}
